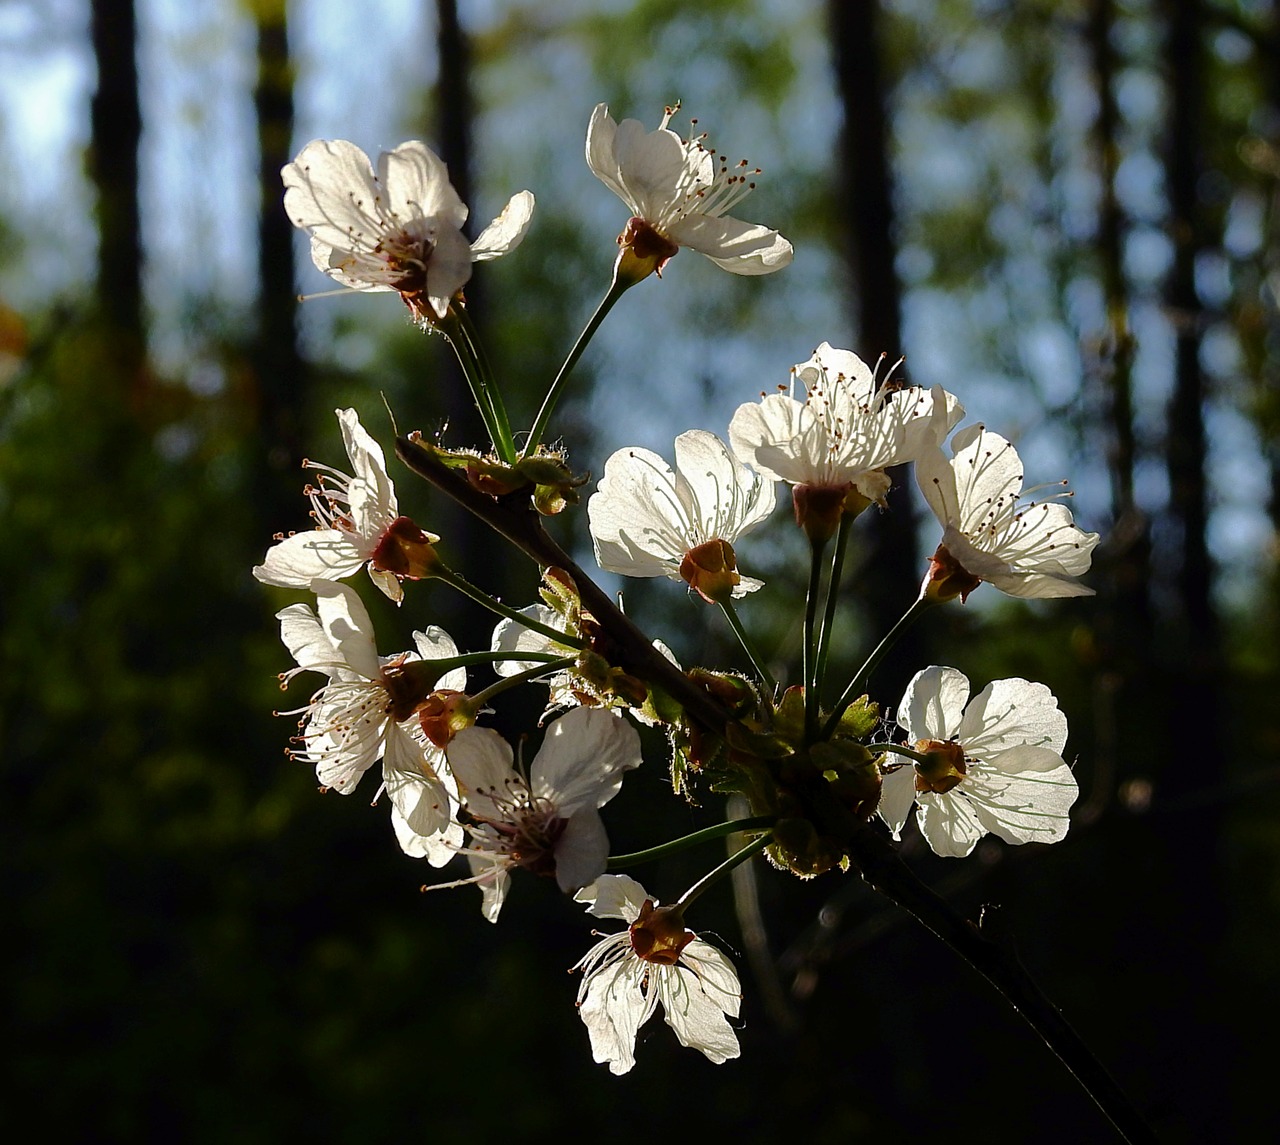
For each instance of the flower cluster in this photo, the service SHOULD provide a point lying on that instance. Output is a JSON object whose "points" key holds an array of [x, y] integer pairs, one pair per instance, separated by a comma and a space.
{"points": [[809, 754]]}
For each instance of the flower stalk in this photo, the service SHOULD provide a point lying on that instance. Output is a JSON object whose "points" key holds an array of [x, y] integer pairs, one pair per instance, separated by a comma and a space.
{"points": [[917, 609], [674, 846], [617, 288], [735, 860]]}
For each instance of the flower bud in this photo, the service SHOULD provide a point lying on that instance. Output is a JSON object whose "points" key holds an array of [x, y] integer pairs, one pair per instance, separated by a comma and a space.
{"points": [[801, 850]]}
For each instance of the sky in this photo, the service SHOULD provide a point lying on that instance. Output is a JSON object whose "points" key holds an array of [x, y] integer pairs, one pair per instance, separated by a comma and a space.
{"points": [[199, 195]]}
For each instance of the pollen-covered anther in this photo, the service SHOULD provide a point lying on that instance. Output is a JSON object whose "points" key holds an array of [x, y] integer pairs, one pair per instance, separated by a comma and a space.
{"points": [[659, 935]]}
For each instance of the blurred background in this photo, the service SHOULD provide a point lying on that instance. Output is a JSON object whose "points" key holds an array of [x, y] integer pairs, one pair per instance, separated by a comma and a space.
{"points": [[1064, 212]]}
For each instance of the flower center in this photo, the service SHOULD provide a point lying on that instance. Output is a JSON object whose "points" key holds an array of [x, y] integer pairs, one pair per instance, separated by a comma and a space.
{"points": [[711, 570], [405, 550], [658, 934], [947, 578], [944, 769]]}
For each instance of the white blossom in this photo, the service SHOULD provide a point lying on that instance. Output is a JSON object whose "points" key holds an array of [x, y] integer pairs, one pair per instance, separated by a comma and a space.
{"points": [[647, 520], [397, 229], [995, 766], [356, 517], [679, 192], [549, 822], [849, 428], [366, 713], [656, 961], [1027, 548]]}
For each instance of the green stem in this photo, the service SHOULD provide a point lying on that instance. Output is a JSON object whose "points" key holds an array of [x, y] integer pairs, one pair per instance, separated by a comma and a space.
{"points": [[615, 292], [716, 831], [519, 678], [451, 327], [503, 442], [833, 593], [731, 616], [859, 677], [898, 749], [713, 877], [465, 587], [809, 662], [468, 659]]}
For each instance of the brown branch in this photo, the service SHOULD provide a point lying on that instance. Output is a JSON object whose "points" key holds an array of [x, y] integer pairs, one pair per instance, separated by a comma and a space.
{"points": [[522, 526]]}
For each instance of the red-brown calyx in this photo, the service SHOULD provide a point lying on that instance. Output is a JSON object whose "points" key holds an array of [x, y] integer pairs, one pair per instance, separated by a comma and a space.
{"points": [[711, 570], [658, 935]]}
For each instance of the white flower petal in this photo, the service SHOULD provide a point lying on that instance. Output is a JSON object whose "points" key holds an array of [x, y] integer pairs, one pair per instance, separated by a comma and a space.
{"points": [[897, 797], [449, 269], [507, 231], [490, 875], [348, 626], [306, 639], [438, 849], [695, 1004], [1011, 713], [480, 760], [434, 643], [317, 554], [933, 703], [581, 851], [513, 637], [601, 132], [613, 1009], [416, 185], [370, 470], [330, 192], [738, 247], [1031, 807], [614, 896], [582, 760], [415, 789], [722, 497], [949, 823]]}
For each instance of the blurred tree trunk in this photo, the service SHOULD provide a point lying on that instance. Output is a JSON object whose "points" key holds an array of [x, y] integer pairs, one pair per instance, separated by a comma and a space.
{"points": [[278, 366], [1187, 821], [115, 133], [454, 112], [1199, 657], [1124, 622], [892, 559]]}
